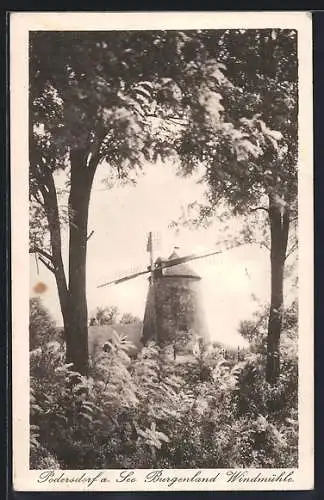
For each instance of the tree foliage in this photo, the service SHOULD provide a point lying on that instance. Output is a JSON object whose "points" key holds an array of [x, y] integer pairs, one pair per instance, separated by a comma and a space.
{"points": [[128, 318], [154, 412], [245, 129], [42, 328], [105, 316]]}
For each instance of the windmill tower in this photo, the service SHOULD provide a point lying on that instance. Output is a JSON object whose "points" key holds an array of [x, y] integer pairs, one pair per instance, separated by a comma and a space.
{"points": [[173, 305]]}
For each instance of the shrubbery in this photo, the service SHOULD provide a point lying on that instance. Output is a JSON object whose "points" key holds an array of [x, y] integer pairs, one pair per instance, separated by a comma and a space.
{"points": [[154, 411], [42, 328]]}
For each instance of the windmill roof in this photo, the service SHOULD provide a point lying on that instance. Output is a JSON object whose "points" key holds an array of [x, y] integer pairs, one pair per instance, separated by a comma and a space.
{"points": [[183, 270]]}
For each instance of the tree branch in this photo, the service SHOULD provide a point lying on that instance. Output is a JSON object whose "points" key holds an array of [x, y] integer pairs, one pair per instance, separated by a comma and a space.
{"points": [[89, 236], [36, 198], [285, 232], [42, 252], [264, 245], [46, 264], [41, 177], [260, 208], [292, 249], [177, 119]]}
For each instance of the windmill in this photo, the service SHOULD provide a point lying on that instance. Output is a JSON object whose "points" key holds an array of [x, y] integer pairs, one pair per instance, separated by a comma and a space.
{"points": [[173, 304]]}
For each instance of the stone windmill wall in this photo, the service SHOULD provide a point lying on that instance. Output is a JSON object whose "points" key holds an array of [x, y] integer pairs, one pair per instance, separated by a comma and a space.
{"points": [[178, 305]]}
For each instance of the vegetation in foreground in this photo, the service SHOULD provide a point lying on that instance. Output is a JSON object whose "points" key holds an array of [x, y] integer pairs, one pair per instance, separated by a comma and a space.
{"points": [[154, 412]]}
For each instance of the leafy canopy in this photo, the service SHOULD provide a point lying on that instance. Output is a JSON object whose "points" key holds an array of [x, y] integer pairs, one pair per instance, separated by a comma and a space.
{"points": [[244, 132], [221, 100]]}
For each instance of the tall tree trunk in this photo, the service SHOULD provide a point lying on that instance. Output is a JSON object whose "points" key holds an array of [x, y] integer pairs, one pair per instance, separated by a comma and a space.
{"points": [[279, 228], [56, 245], [46, 186], [76, 327], [47, 189]]}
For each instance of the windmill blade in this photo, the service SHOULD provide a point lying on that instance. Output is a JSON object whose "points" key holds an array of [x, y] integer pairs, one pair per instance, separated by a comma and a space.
{"points": [[125, 278], [187, 258], [163, 265]]}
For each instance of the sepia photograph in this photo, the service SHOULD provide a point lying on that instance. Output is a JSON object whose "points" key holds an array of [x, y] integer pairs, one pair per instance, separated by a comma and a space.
{"points": [[165, 217]]}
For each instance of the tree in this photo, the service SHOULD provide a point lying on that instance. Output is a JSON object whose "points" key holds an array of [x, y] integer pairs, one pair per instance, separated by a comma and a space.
{"points": [[128, 318], [42, 327], [243, 133], [98, 98], [88, 95], [74, 119], [105, 316]]}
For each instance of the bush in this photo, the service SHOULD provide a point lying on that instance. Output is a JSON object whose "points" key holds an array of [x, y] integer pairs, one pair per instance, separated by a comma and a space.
{"points": [[42, 327], [154, 411]]}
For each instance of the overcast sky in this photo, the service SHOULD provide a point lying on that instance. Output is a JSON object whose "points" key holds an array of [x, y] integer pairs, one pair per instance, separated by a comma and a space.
{"points": [[121, 219]]}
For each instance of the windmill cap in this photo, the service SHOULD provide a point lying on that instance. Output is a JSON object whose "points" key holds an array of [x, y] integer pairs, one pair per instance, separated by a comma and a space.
{"points": [[181, 270]]}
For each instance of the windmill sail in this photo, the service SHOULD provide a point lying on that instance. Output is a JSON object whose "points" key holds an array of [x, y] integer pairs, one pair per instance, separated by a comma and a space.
{"points": [[125, 278], [162, 265], [149, 245], [188, 258]]}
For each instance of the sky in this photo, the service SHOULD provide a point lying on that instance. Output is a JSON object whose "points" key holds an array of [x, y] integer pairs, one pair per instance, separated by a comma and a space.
{"points": [[121, 218]]}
